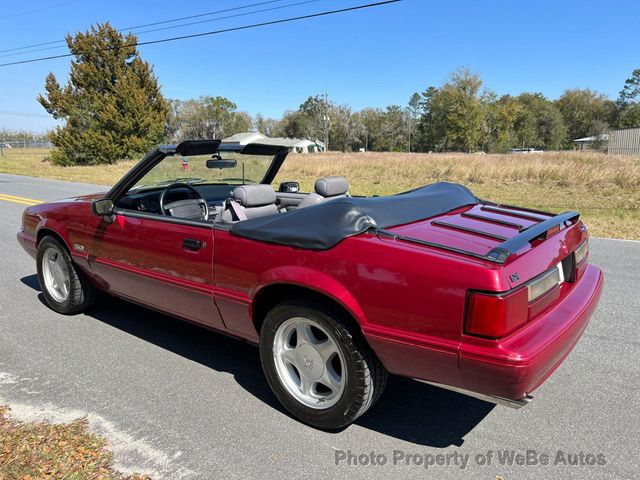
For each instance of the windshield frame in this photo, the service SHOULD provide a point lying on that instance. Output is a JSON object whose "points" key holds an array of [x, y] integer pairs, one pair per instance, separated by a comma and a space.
{"points": [[195, 170], [194, 148]]}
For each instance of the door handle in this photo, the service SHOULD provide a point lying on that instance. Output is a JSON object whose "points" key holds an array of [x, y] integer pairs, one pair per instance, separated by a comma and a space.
{"points": [[193, 244]]}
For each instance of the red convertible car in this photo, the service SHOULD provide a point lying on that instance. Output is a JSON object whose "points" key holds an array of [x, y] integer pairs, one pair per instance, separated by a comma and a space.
{"points": [[337, 290]]}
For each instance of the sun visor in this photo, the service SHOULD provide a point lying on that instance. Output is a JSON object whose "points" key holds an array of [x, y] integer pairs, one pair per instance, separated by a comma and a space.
{"points": [[262, 149], [198, 147]]}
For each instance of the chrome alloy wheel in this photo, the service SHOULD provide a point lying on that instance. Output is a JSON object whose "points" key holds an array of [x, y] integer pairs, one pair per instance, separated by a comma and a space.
{"points": [[56, 275], [309, 363]]}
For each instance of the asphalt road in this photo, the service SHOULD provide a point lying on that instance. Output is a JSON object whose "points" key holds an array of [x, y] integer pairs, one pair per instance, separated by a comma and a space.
{"points": [[182, 402]]}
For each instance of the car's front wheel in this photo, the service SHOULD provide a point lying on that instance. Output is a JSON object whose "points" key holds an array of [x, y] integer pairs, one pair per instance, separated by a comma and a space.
{"points": [[65, 287], [321, 370]]}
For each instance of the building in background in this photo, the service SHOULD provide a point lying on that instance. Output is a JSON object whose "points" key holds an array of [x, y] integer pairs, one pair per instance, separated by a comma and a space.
{"points": [[625, 141], [595, 142], [245, 138], [295, 145]]}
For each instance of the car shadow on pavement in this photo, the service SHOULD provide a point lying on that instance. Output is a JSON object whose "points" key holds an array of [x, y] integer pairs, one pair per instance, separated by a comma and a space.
{"points": [[419, 413], [408, 410]]}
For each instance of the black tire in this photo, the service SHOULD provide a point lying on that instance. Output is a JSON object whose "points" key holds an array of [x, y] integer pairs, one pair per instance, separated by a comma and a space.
{"points": [[365, 380], [82, 294]]}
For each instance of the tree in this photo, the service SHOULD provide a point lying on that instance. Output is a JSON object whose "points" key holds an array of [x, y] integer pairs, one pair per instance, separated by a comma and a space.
{"points": [[237, 123], [393, 132], [266, 126], [629, 116], [413, 115], [206, 118], [585, 111], [540, 123], [295, 124], [346, 128], [502, 116], [599, 129], [317, 109], [427, 138], [631, 89], [112, 106], [629, 102], [454, 113], [370, 121], [219, 117], [528, 120]]}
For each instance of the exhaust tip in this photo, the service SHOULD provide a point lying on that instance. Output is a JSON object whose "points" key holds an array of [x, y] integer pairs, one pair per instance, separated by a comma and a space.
{"points": [[506, 402]]}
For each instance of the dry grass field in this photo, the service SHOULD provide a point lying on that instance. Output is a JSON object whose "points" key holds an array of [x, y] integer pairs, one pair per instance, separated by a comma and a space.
{"points": [[605, 189], [42, 450]]}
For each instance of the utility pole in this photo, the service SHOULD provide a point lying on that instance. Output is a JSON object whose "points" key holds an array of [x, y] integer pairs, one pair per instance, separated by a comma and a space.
{"points": [[326, 120]]}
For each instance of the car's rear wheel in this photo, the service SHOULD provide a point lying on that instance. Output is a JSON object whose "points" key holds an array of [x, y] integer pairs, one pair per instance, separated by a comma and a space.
{"points": [[65, 287], [321, 370]]}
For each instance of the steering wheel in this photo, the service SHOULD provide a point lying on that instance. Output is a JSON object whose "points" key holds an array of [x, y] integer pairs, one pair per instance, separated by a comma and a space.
{"points": [[189, 208]]}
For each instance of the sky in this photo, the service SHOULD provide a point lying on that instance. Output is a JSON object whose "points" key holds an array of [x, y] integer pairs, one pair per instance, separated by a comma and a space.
{"points": [[373, 57]]}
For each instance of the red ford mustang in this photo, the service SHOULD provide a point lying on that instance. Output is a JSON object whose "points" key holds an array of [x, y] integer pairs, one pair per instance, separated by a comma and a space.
{"points": [[337, 290]]}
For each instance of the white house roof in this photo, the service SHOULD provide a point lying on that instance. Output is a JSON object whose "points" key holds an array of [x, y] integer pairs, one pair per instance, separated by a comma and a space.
{"points": [[256, 137], [604, 136], [305, 143], [245, 138], [287, 142]]}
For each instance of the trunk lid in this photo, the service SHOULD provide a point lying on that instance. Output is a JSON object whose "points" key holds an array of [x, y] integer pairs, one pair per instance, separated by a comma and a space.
{"points": [[477, 230]]}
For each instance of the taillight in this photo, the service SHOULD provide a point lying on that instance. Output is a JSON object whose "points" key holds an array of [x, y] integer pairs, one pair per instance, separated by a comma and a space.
{"points": [[545, 282], [494, 316], [582, 251]]}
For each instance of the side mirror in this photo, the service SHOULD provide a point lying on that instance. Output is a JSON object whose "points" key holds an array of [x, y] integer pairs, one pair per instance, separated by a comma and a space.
{"points": [[220, 163], [102, 207], [289, 187]]}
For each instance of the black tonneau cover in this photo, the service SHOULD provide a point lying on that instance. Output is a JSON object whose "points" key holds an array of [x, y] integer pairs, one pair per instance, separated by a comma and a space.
{"points": [[323, 226]]}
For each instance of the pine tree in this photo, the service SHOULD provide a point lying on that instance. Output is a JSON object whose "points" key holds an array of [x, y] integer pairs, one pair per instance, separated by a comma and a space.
{"points": [[629, 102], [112, 106]]}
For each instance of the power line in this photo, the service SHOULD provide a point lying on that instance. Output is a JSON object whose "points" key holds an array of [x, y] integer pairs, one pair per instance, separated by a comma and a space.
{"points": [[24, 114], [216, 32], [199, 15], [280, 7], [31, 51], [153, 24], [40, 9]]}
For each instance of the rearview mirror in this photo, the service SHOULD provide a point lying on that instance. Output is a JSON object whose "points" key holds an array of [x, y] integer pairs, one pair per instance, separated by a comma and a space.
{"points": [[221, 163], [289, 187], [102, 207]]}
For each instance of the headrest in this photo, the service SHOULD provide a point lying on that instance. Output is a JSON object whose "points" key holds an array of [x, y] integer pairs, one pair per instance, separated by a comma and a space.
{"points": [[331, 186], [254, 195]]}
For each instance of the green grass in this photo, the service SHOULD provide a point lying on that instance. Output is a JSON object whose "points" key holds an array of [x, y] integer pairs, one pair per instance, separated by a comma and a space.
{"points": [[604, 189]]}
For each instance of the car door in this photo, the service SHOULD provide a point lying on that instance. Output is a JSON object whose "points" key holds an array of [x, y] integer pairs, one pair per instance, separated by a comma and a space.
{"points": [[163, 263]]}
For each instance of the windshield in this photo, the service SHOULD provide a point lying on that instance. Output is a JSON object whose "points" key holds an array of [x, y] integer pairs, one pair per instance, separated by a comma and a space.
{"points": [[227, 168]]}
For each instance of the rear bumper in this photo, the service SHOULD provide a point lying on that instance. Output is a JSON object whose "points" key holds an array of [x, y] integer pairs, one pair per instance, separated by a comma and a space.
{"points": [[28, 243], [515, 366], [510, 368]]}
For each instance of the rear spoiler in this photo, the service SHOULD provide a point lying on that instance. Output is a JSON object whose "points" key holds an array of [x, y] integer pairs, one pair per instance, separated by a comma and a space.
{"points": [[540, 230], [502, 252]]}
